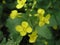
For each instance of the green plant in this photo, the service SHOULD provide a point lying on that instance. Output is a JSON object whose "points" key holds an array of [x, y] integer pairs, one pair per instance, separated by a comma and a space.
{"points": [[29, 22]]}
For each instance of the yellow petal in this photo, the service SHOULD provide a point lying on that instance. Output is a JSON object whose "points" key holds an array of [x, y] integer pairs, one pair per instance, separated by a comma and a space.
{"points": [[33, 37], [13, 14], [41, 24], [47, 18], [41, 11], [24, 1], [24, 24], [18, 1], [23, 33], [42, 19], [19, 28], [29, 29], [47, 22], [20, 5]]}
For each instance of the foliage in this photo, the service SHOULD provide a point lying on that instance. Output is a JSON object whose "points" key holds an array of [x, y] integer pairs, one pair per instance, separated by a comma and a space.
{"points": [[30, 22]]}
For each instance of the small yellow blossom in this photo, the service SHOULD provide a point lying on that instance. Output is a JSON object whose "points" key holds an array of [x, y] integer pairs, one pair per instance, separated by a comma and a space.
{"points": [[47, 18], [29, 29], [33, 37], [24, 28], [41, 11], [44, 20], [20, 4], [23, 33], [18, 1], [41, 24], [19, 28], [13, 14], [24, 24]]}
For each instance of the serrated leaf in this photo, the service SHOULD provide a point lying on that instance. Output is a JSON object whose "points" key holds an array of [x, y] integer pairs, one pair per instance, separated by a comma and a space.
{"points": [[58, 42], [44, 32], [52, 21]]}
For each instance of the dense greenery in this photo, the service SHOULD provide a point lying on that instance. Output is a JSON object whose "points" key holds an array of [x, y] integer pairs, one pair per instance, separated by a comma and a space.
{"points": [[27, 11]]}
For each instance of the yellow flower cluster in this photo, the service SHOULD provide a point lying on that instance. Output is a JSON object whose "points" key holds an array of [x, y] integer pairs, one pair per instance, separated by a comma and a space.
{"points": [[33, 37], [20, 4], [24, 28], [43, 19], [13, 14]]}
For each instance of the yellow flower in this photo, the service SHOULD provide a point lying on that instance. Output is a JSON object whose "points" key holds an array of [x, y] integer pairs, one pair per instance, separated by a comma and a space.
{"points": [[47, 18], [41, 24], [24, 28], [41, 11], [33, 37], [20, 4], [44, 20], [13, 14], [29, 30], [19, 28], [18, 1], [24, 24], [23, 33]]}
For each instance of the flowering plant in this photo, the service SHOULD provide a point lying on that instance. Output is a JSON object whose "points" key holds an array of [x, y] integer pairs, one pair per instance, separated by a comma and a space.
{"points": [[29, 22]]}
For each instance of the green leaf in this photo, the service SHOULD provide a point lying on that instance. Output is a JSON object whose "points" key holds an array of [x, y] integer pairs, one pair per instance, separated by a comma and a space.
{"points": [[1, 10], [43, 41], [52, 21], [10, 42], [58, 18], [44, 32], [11, 26], [3, 42], [11, 5], [51, 42], [39, 41], [12, 23], [58, 42], [1, 35]]}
